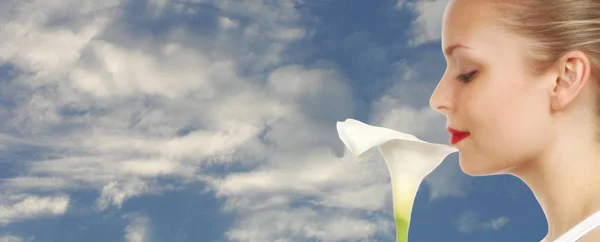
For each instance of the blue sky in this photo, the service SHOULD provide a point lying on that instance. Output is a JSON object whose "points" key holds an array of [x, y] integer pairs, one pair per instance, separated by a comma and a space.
{"points": [[214, 120]]}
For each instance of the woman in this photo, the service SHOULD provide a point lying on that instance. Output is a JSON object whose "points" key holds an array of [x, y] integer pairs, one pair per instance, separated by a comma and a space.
{"points": [[522, 83]]}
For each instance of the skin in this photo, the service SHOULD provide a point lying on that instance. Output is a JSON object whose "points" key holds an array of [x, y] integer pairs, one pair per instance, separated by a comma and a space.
{"points": [[539, 128]]}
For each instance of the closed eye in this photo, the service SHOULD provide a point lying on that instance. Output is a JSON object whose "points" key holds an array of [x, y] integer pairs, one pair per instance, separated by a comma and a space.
{"points": [[466, 77]]}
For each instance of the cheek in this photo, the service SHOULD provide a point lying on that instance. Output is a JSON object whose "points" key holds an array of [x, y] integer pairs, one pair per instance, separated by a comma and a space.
{"points": [[530, 129], [508, 128], [516, 136]]}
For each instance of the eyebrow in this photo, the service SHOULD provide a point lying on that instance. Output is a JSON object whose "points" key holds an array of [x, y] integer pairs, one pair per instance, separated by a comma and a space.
{"points": [[448, 50]]}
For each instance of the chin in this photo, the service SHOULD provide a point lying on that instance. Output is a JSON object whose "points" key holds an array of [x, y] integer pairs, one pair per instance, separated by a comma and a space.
{"points": [[474, 172], [477, 167]]}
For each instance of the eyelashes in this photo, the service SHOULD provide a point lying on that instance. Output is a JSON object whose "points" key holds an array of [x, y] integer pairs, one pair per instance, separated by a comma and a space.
{"points": [[465, 78]]}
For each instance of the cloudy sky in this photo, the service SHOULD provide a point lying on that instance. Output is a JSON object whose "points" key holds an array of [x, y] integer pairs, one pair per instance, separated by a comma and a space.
{"points": [[214, 120]]}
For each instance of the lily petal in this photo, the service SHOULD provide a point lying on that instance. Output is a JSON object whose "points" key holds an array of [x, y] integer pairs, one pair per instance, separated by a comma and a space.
{"points": [[409, 160]]}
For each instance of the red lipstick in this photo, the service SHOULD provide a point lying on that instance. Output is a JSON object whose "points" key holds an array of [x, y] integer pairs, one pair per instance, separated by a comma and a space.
{"points": [[457, 135]]}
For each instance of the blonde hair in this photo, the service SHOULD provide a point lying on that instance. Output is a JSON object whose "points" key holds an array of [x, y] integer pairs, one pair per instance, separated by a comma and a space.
{"points": [[556, 27]]}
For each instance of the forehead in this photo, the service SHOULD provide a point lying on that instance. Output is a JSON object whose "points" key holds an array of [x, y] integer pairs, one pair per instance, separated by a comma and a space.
{"points": [[467, 21]]}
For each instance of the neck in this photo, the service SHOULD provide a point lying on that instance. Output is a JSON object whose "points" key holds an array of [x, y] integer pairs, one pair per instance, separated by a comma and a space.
{"points": [[565, 182]]}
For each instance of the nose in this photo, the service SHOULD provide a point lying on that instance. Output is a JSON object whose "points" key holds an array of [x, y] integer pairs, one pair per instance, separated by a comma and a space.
{"points": [[441, 98]]}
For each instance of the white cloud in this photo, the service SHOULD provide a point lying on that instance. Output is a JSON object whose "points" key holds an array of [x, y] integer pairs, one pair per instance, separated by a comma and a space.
{"points": [[497, 223], [334, 192], [394, 114], [37, 183], [137, 230], [116, 193], [123, 108], [427, 26], [299, 173], [11, 238], [119, 136], [290, 34], [100, 167], [60, 49], [278, 12], [293, 82], [173, 71], [470, 222], [156, 7], [228, 23], [353, 198], [15, 208], [303, 223]]}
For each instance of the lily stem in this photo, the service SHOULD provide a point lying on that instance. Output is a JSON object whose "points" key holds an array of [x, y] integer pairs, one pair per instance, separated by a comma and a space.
{"points": [[404, 191]]}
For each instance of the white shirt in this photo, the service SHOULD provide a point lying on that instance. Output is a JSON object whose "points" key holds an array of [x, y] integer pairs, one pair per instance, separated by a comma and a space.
{"points": [[580, 229]]}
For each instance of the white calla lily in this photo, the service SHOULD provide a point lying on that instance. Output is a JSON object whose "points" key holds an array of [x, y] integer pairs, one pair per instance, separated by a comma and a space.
{"points": [[409, 160]]}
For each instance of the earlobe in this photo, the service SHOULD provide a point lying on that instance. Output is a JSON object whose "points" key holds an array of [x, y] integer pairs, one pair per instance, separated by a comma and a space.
{"points": [[557, 99], [559, 94]]}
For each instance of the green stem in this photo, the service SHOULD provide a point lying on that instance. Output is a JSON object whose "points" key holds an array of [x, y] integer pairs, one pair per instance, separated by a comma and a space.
{"points": [[402, 227]]}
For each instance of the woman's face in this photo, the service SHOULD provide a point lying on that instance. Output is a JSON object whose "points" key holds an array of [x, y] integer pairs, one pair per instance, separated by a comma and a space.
{"points": [[488, 91]]}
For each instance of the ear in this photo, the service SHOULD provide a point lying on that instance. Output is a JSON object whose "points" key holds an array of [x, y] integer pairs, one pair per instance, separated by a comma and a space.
{"points": [[573, 71]]}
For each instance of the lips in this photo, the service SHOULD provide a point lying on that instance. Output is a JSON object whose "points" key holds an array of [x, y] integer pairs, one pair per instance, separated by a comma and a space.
{"points": [[457, 135]]}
